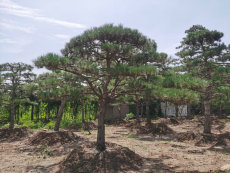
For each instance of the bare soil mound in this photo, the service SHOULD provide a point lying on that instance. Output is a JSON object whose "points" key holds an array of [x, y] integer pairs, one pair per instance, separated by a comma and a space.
{"points": [[206, 139], [115, 159], [202, 139], [155, 129], [116, 122], [173, 121], [133, 124], [89, 126], [223, 139], [14, 134], [51, 138], [187, 136], [85, 126]]}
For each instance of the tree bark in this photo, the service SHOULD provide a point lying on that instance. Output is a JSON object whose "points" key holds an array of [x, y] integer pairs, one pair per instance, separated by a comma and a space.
{"points": [[166, 106], [17, 113], [189, 112], [177, 110], [32, 113], [207, 121], [101, 127], [12, 114], [137, 111], [147, 112], [59, 116], [142, 109], [82, 111]]}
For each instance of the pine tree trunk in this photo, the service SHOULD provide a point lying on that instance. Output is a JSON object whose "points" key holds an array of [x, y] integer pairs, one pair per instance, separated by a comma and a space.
{"points": [[38, 111], [189, 112], [59, 116], [82, 111], [220, 110], [12, 114], [32, 113], [207, 121], [147, 112], [101, 127], [177, 110], [137, 111], [166, 106], [17, 113], [142, 109]]}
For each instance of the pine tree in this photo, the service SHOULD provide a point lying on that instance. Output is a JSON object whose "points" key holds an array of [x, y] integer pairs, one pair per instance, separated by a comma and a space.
{"points": [[204, 55], [103, 57], [15, 76], [58, 87]]}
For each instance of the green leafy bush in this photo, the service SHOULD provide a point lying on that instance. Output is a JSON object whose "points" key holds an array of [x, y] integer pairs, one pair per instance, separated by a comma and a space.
{"points": [[50, 125], [74, 123], [32, 124], [129, 116]]}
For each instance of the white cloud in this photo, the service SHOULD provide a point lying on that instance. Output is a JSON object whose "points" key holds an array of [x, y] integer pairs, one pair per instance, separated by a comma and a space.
{"points": [[62, 36], [171, 50], [7, 6], [13, 45], [14, 26]]}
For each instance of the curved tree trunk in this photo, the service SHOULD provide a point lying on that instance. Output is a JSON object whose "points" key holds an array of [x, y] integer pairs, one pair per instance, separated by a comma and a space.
{"points": [[101, 127], [207, 121], [59, 116], [12, 114]]}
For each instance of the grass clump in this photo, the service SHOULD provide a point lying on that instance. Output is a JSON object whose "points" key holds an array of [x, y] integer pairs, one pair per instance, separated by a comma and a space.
{"points": [[132, 136], [223, 121]]}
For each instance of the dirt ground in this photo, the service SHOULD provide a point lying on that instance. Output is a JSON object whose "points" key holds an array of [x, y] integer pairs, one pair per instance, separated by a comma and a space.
{"points": [[159, 152]]}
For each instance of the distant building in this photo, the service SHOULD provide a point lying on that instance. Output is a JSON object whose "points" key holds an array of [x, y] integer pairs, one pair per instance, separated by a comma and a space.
{"points": [[168, 109], [116, 112]]}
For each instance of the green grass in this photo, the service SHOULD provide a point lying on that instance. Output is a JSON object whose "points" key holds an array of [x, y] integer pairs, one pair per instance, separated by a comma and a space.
{"points": [[223, 121], [87, 133], [195, 118], [132, 136]]}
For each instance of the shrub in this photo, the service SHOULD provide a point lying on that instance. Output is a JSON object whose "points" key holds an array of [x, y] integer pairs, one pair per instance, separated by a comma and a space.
{"points": [[50, 125], [129, 116]]}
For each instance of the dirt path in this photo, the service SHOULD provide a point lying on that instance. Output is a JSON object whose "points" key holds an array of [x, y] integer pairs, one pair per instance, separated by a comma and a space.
{"points": [[164, 155], [18, 157], [160, 153]]}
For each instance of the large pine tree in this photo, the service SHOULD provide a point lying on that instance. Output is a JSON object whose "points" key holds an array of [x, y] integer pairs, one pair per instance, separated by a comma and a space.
{"points": [[204, 55], [103, 57]]}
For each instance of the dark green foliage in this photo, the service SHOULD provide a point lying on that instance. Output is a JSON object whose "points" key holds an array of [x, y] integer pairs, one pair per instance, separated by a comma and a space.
{"points": [[15, 76], [98, 56], [204, 55]]}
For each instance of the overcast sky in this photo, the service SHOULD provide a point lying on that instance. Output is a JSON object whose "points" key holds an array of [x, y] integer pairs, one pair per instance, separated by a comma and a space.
{"points": [[31, 28]]}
